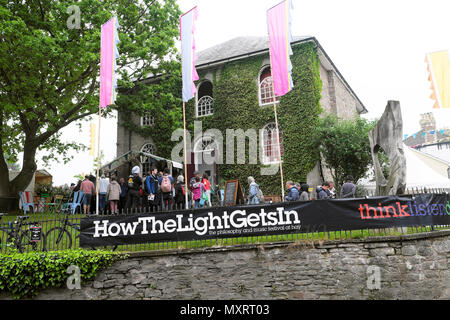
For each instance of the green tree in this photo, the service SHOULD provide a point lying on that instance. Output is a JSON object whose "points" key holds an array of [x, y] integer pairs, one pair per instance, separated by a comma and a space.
{"points": [[345, 147], [50, 62]]}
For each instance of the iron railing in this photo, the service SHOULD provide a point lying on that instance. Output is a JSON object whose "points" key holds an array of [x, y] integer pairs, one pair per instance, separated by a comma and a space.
{"points": [[49, 222]]}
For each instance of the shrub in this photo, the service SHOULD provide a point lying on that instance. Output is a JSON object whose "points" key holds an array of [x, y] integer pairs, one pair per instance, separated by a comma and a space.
{"points": [[26, 274]]}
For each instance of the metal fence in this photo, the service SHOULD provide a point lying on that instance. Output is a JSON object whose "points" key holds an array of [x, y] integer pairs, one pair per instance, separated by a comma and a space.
{"points": [[60, 231]]}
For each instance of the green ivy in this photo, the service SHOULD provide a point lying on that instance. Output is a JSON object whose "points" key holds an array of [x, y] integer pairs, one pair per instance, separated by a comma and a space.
{"points": [[26, 274], [236, 106]]}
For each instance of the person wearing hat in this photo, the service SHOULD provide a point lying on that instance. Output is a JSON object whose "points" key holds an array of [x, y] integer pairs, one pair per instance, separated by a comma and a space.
{"points": [[134, 184]]}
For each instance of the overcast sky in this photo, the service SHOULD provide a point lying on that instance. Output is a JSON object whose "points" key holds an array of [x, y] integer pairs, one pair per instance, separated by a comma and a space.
{"points": [[378, 46]]}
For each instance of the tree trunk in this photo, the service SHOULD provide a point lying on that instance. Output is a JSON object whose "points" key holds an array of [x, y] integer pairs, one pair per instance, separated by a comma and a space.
{"points": [[29, 167], [4, 175]]}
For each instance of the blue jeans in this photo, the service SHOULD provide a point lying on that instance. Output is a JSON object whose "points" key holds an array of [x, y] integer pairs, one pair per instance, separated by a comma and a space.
{"points": [[101, 201], [197, 204]]}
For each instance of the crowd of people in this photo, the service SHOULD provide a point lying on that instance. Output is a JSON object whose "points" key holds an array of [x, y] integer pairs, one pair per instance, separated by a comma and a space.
{"points": [[154, 191], [300, 191], [159, 191]]}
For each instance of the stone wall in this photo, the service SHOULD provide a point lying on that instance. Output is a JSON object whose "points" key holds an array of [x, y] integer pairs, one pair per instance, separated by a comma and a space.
{"points": [[409, 267]]}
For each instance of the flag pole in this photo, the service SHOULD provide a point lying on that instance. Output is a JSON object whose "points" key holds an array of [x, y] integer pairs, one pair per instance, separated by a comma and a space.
{"points": [[98, 158], [278, 143], [185, 158]]}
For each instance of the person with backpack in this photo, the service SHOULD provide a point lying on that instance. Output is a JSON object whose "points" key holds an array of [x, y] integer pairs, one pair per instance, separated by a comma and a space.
{"points": [[191, 188], [180, 193], [253, 191], [293, 194], [197, 192], [323, 192], [134, 185], [166, 185]]}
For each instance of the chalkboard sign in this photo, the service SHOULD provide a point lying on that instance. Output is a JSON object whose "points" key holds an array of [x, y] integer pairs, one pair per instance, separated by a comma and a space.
{"points": [[35, 233], [233, 193]]}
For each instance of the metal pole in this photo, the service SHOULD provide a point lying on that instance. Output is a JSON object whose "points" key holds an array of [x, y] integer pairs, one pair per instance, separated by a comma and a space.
{"points": [[185, 158], [278, 142], [98, 158]]}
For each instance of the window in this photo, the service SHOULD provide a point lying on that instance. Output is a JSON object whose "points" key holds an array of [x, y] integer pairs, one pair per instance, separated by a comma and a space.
{"points": [[270, 145], [266, 88], [147, 148], [206, 145], [205, 101], [147, 120]]}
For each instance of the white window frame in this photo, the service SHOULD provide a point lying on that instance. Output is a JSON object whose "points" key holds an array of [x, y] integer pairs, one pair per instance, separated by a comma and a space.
{"points": [[147, 120], [265, 80], [145, 164], [198, 101], [264, 159], [207, 100]]}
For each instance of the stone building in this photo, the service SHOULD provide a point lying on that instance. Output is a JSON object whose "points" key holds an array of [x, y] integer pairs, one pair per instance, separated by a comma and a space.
{"points": [[235, 91]]}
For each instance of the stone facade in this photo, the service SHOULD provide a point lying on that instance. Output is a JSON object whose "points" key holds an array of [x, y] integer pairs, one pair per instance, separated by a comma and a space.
{"points": [[407, 267]]}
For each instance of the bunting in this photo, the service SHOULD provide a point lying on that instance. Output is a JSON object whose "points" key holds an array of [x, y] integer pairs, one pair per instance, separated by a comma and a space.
{"points": [[108, 66], [188, 57], [280, 37], [438, 66]]}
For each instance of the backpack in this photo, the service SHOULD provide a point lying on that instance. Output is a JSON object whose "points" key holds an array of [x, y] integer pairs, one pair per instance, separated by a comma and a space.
{"points": [[166, 185], [260, 196], [130, 183]]}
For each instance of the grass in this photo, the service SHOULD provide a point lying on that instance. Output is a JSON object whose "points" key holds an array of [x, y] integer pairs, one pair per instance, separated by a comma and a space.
{"points": [[50, 221]]}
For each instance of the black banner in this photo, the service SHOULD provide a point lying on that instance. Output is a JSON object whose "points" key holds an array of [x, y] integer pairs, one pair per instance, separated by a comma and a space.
{"points": [[270, 219]]}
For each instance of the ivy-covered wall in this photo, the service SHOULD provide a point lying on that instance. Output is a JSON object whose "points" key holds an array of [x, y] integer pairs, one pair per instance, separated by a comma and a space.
{"points": [[236, 106]]}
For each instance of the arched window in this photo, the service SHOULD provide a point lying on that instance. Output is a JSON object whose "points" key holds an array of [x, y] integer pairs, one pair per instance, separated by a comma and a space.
{"points": [[147, 148], [206, 145], [205, 101], [266, 88], [270, 145]]}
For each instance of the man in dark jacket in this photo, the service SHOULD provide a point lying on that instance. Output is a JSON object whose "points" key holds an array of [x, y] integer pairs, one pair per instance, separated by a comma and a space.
{"points": [[324, 193], [151, 186], [293, 194], [348, 189], [123, 195]]}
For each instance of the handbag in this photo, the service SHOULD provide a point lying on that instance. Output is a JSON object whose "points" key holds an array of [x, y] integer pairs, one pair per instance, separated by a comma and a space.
{"points": [[204, 198]]}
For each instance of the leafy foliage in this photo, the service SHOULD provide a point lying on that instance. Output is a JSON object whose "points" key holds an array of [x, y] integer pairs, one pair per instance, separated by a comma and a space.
{"points": [[162, 100], [54, 80], [345, 147], [26, 274]]}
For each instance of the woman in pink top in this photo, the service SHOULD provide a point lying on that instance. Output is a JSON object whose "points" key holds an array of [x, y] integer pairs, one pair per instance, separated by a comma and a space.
{"points": [[197, 192]]}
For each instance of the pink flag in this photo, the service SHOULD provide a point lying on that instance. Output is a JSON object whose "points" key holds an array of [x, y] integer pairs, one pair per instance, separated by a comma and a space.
{"points": [[278, 25], [108, 55], [188, 58]]}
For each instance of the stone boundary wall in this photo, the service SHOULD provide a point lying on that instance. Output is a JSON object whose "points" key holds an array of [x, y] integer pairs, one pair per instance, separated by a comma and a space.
{"points": [[406, 267]]}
